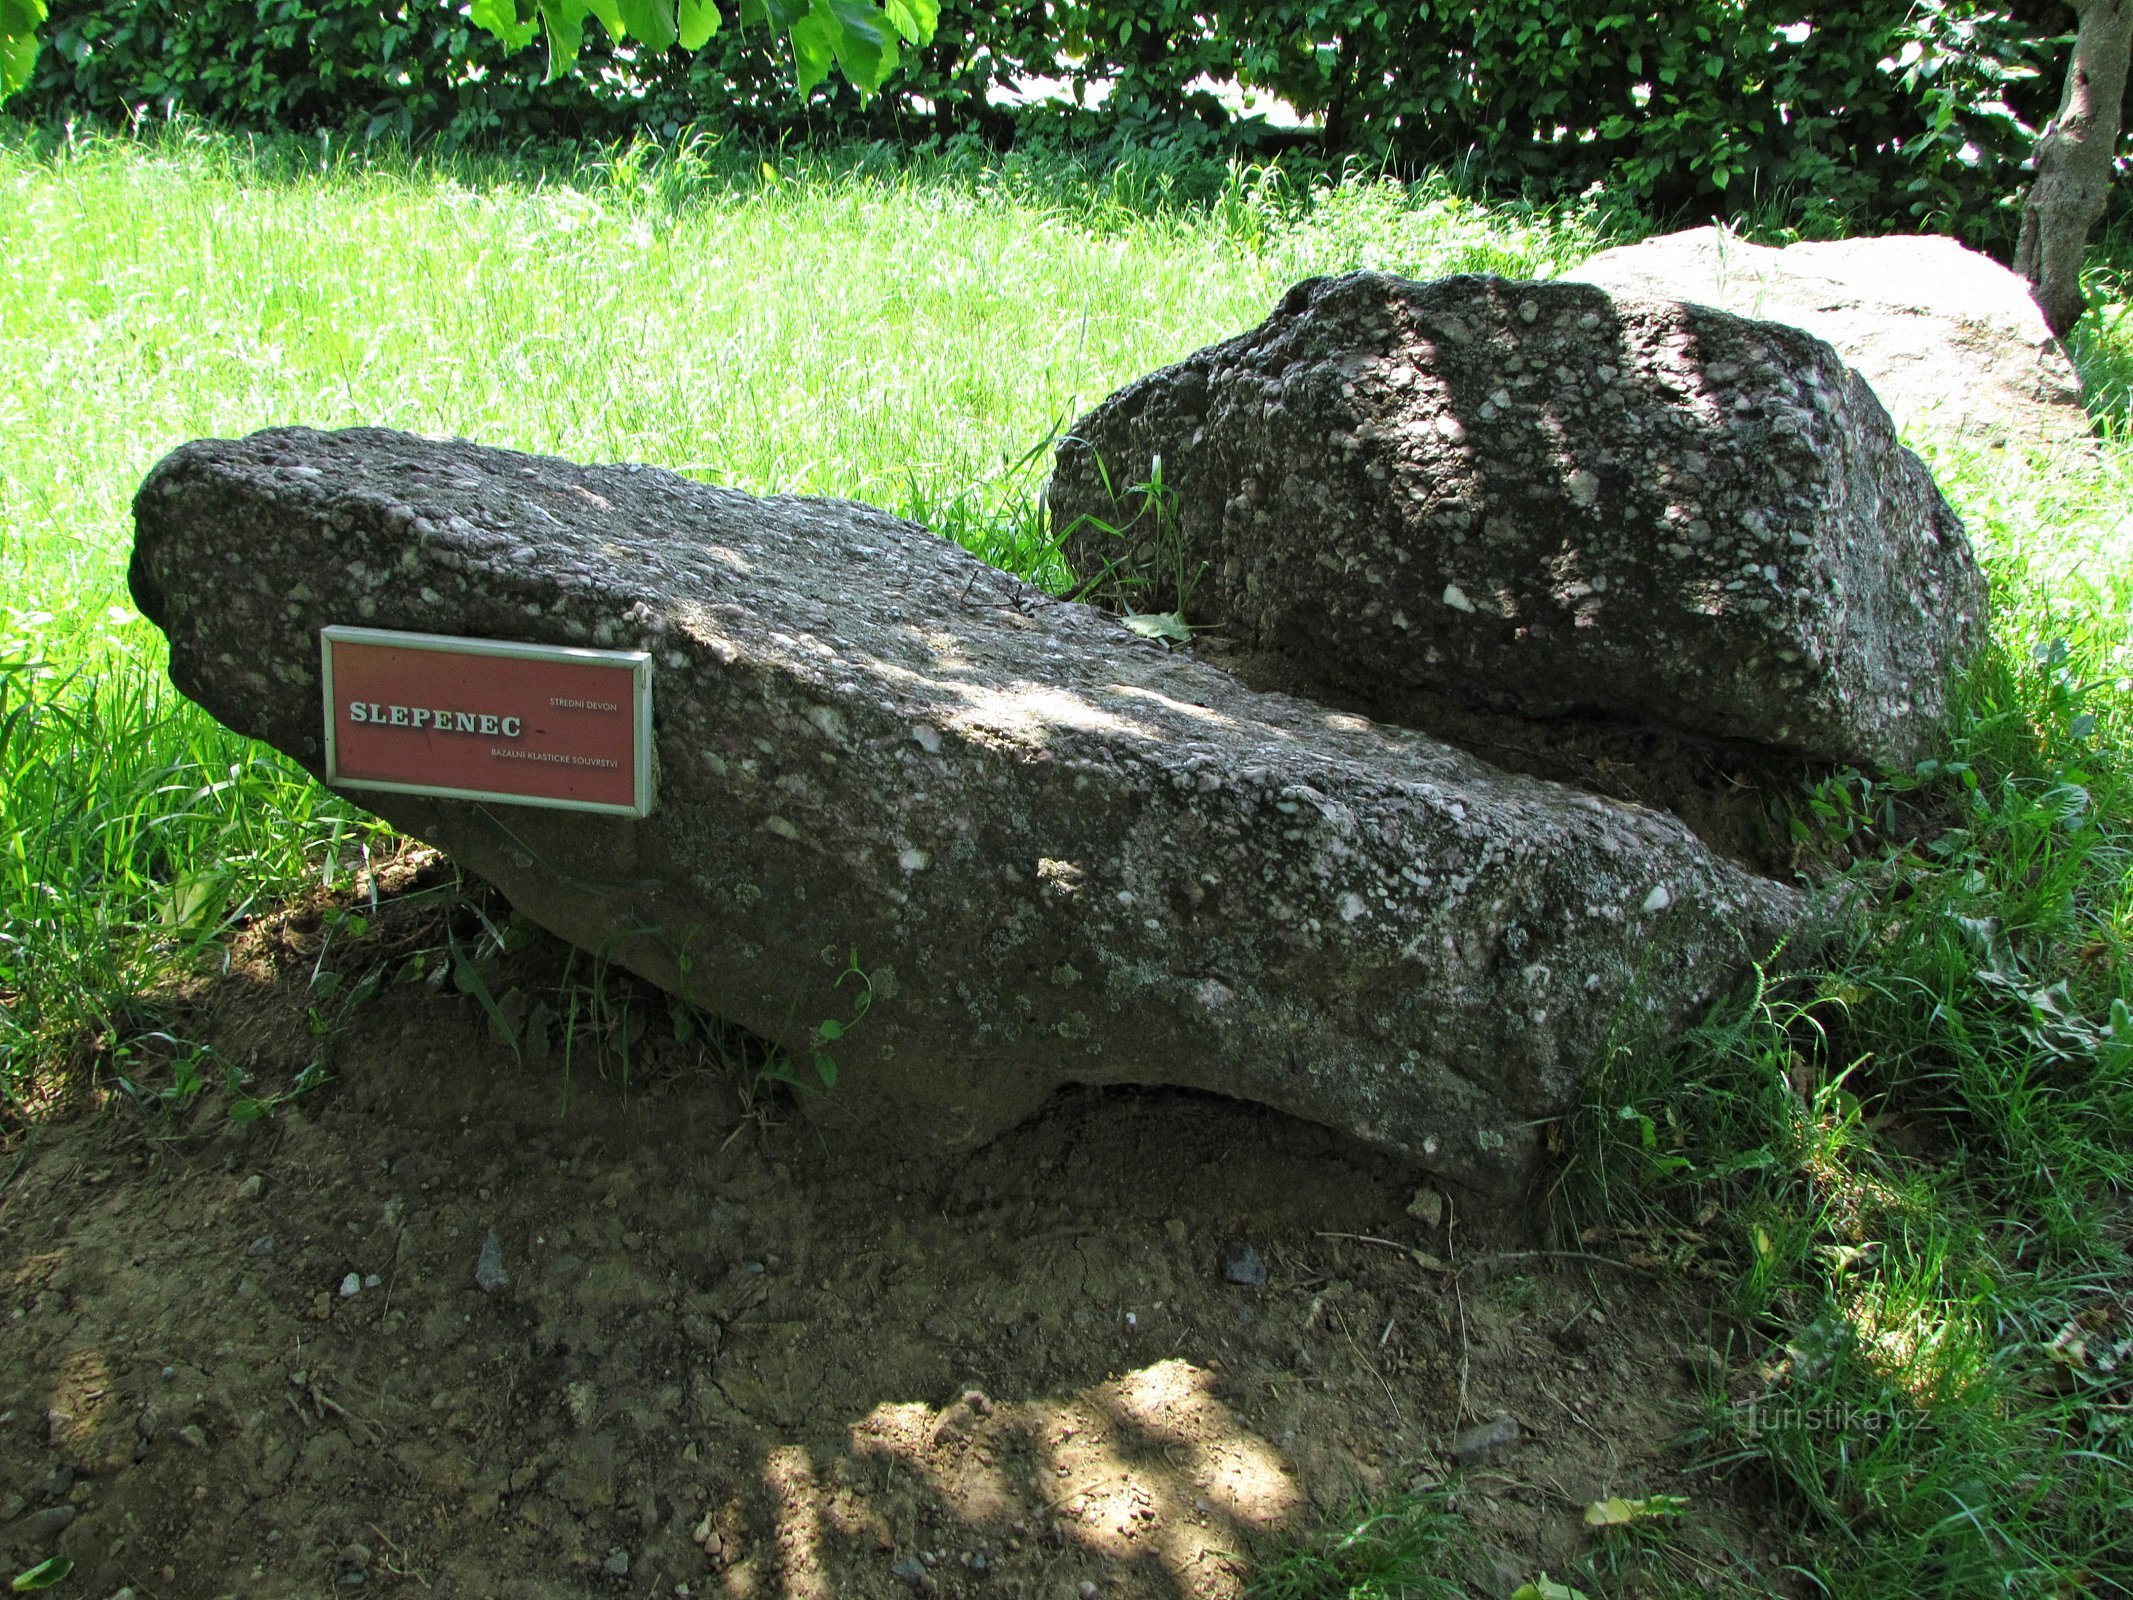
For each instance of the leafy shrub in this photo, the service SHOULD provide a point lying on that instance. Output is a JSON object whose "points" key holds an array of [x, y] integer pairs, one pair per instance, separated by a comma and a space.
{"points": [[1908, 114], [1890, 112]]}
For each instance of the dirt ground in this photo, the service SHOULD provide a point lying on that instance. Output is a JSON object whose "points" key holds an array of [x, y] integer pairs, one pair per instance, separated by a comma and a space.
{"points": [[254, 1358]]}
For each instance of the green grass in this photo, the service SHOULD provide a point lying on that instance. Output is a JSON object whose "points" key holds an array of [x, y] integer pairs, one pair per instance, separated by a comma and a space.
{"points": [[1926, 1141], [1407, 1547], [1918, 1153]]}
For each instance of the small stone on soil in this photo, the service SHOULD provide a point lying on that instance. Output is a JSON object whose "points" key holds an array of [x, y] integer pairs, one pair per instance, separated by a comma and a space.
{"points": [[1242, 1264], [352, 1285], [1478, 1444], [41, 1528], [911, 1570], [489, 1273], [252, 1188], [261, 1246], [618, 1562], [192, 1434]]}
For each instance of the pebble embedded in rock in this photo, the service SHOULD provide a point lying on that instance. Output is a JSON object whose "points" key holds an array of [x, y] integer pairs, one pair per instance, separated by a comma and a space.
{"points": [[1243, 1265], [489, 1273], [1500, 1432]]}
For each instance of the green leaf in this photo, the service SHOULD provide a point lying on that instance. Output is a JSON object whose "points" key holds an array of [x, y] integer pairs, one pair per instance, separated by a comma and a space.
{"points": [[831, 1029], [1620, 1513], [610, 14], [501, 18], [18, 58], [564, 21], [864, 43], [814, 51], [826, 1070], [914, 19], [1160, 625], [1544, 1588], [698, 21], [469, 981], [192, 900], [651, 22], [43, 1575]]}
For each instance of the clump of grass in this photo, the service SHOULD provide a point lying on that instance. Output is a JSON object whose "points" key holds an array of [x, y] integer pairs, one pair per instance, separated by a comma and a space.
{"points": [[134, 833], [1926, 1142], [1405, 1547]]}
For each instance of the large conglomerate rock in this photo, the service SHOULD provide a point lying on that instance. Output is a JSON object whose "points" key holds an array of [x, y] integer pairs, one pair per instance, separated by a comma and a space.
{"points": [[1537, 499], [1062, 852]]}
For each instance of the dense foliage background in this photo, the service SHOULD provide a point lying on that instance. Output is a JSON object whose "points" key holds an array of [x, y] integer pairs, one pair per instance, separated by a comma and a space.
{"points": [[1893, 114]]}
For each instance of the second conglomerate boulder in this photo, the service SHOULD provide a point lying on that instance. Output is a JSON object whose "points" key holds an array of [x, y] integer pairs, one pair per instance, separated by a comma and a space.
{"points": [[1062, 852], [1541, 500], [1952, 342]]}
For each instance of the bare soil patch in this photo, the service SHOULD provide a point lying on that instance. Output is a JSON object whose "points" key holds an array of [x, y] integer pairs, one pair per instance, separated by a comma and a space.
{"points": [[728, 1363]]}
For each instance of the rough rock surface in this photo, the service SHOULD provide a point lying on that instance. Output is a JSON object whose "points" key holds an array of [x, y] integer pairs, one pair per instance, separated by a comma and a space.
{"points": [[1951, 340], [1063, 853], [1537, 499]]}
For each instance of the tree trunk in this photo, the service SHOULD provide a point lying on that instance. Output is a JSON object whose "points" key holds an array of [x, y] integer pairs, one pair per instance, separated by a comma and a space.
{"points": [[2075, 154]]}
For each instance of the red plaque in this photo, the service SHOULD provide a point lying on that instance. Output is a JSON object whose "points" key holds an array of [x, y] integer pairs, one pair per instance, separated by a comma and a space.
{"points": [[487, 719]]}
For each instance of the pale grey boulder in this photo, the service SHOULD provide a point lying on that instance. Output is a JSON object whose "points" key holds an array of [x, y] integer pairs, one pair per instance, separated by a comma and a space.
{"points": [[1063, 852], [1538, 500], [1951, 341]]}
